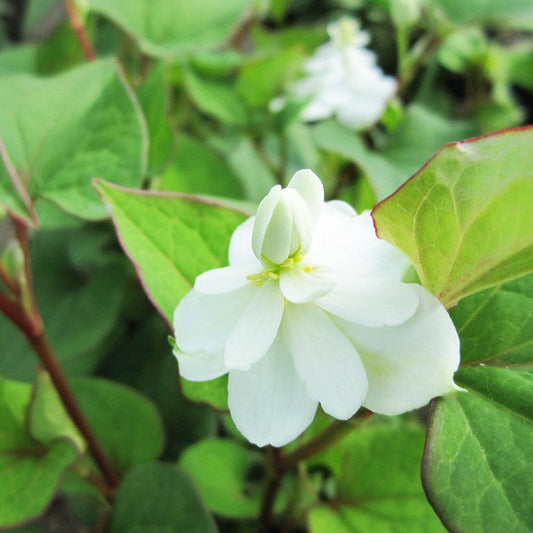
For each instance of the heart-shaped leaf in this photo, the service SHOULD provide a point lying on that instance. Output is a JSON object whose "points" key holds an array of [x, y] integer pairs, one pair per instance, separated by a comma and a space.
{"points": [[465, 218]]}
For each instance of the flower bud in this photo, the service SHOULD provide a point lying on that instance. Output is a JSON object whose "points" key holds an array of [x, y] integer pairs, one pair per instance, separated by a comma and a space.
{"points": [[12, 259], [282, 227]]}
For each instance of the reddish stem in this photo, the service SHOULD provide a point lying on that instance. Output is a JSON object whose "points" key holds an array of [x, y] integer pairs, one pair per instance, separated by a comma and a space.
{"points": [[50, 363], [78, 28], [25, 315], [281, 464]]}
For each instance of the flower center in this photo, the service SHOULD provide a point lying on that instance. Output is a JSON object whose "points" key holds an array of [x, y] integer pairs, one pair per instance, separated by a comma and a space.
{"points": [[273, 273]]}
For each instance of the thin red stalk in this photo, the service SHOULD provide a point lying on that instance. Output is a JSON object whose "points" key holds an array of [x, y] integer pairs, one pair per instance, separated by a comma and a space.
{"points": [[21, 231], [78, 28], [28, 320], [49, 362], [16, 314]]}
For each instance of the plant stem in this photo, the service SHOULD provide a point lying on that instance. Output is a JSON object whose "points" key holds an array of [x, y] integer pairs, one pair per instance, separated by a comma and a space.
{"points": [[332, 434], [271, 491], [23, 312], [48, 360], [280, 465], [421, 52], [78, 28], [402, 40]]}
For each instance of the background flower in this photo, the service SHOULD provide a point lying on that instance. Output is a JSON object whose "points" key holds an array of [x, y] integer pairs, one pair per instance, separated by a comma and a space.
{"points": [[343, 79]]}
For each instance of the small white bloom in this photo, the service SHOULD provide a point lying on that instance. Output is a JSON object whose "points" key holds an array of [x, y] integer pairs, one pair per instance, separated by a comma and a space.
{"points": [[343, 79], [312, 310]]}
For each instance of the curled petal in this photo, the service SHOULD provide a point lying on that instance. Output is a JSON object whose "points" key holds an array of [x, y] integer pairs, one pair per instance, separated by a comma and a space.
{"points": [[269, 403], [203, 322], [256, 328], [409, 364], [325, 359]]}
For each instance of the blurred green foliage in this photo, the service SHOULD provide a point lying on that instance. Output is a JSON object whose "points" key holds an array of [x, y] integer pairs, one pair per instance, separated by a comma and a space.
{"points": [[181, 100]]}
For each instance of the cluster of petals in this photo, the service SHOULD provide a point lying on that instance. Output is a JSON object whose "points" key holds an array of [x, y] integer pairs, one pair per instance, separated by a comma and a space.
{"points": [[312, 310], [342, 79]]}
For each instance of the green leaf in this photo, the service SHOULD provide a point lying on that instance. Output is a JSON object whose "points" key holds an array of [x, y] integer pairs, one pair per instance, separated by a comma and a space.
{"points": [[379, 487], [172, 239], [496, 325], [58, 153], [153, 97], [60, 50], [214, 392], [500, 12], [519, 64], [263, 77], [228, 493], [217, 99], [477, 468], [254, 174], [125, 422], [30, 471], [36, 11], [334, 137], [169, 29], [421, 132], [199, 170], [20, 58], [79, 298], [47, 417], [158, 497], [155, 376], [464, 220]]}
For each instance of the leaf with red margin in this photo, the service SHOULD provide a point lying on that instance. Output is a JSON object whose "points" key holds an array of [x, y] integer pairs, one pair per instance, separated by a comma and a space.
{"points": [[477, 467], [51, 154], [171, 239], [465, 218]]}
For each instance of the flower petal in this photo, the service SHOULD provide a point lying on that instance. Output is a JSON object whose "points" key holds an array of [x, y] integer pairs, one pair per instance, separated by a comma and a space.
{"points": [[325, 359], [203, 322], [269, 403], [371, 303], [227, 279], [409, 364], [200, 366], [298, 286], [351, 243], [240, 246], [256, 327], [310, 188]]}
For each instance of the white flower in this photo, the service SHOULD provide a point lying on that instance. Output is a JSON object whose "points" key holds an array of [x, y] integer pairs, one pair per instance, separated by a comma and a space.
{"points": [[312, 310], [342, 79]]}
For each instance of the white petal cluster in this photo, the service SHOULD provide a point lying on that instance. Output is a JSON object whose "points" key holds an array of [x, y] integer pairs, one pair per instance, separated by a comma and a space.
{"points": [[342, 79], [312, 309]]}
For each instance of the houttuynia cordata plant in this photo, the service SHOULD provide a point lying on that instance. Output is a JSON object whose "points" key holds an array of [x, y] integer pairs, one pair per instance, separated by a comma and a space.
{"points": [[266, 266]]}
